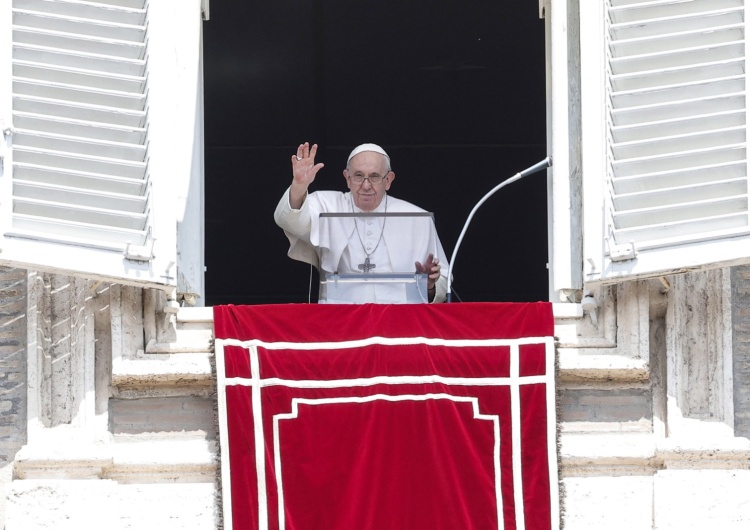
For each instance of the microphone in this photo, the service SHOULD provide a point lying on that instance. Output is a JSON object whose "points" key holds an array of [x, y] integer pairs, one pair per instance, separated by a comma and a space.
{"points": [[544, 164]]}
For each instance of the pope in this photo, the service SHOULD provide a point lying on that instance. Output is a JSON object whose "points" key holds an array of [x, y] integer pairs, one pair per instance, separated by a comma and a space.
{"points": [[379, 246]]}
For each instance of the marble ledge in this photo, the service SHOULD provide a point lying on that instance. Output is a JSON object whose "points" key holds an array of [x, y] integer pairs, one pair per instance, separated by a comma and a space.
{"points": [[592, 453], [166, 460]]}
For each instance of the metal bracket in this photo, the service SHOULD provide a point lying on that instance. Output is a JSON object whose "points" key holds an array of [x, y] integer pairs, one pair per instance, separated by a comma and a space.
{"points": [[7, 132], [621, 252], [140, 253]]}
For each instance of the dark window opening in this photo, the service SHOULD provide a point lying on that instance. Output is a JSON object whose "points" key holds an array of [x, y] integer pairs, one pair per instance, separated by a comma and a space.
{"points": [[454, 91]]}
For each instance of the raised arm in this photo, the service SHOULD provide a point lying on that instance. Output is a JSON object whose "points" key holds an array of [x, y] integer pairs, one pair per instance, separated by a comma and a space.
{"points": [[304, 170]]}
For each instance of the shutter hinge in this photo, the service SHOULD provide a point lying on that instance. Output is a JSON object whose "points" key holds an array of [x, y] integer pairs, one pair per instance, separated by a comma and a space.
{"points": [[621, 252], [140, 252], [6, 131]]}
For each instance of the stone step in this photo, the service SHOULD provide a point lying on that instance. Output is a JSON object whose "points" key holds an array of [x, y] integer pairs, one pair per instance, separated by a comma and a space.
{"points": [[185, 366], [145, 458], [180, 368], [170, 414], [617, 454], [163, 374]]}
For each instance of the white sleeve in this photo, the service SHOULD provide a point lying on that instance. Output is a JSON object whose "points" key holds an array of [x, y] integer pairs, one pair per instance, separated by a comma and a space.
{"points": [[292, 221]]}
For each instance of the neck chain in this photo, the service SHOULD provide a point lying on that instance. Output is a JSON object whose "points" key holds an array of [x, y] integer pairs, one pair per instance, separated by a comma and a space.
{"points": [[366, 267]]}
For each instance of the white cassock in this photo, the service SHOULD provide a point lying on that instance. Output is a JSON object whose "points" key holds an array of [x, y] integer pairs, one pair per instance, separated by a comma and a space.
{"points": [[392, 244]]}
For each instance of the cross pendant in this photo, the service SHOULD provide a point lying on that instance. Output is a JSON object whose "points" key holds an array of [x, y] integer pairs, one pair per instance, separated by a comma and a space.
{"points": [[366, 266]]}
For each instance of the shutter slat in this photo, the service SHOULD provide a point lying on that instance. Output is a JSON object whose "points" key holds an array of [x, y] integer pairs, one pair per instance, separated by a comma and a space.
{"points": [[678, 144], [92, 113], [85, 10], [679, 75], [682, 212], [92, 164], [710, 36], [65, 41], [690, 176], [76, 233], [80, 179], [75, 94], [678, 109], [675, 93], [83, 27], [648, 11], [676, 161], [80, 197], [683, 232], [665, 128], [66, 212], [79, 128], [82, 146], [132, 4], [676, 24], [682, 57], [680, 194], [73, 76], [64, 58]]}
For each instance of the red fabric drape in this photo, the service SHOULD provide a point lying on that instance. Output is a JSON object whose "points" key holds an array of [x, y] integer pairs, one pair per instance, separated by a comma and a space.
{"points": [[398, 417]]}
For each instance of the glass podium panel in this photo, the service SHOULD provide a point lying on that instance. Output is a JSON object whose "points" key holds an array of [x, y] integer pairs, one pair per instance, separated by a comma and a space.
{"points": [[362, 288], [370, 257]]}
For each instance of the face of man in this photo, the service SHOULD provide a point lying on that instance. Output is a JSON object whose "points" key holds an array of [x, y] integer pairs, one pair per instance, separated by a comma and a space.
{"points": [[367, 194]]}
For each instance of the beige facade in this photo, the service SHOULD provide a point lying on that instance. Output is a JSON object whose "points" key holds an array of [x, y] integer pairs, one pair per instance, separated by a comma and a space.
{"points": [[107, 405], [109, 411]]}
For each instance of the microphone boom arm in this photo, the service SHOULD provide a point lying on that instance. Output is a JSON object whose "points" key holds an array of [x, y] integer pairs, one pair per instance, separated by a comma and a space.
{"points": [[544, 164]]}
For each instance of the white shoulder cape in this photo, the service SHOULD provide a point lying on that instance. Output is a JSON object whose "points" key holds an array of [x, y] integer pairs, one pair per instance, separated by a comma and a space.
{"points": [[308, 243]]}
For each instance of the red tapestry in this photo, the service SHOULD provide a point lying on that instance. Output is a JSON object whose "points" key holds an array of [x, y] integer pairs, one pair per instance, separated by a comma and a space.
{"points": [[387, 417]]}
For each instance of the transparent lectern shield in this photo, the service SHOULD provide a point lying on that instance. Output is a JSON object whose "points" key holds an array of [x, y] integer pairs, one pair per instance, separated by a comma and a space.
{"points": [[370, 257], [363, 288]]}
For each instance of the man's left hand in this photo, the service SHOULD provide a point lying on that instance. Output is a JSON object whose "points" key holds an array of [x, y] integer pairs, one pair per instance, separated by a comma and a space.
{"points": [[431, 267]]}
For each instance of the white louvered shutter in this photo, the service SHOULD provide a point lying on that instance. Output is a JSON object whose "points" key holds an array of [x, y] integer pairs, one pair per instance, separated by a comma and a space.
{"points": [[79, 190], [664, 120]]}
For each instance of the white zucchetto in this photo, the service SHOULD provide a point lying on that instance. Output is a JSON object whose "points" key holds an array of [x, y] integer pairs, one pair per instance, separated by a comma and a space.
{"points": [[368, 147]]}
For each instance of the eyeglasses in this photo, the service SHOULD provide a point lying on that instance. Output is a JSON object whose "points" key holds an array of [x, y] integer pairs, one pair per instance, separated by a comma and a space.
{"points": [[374, 179]]}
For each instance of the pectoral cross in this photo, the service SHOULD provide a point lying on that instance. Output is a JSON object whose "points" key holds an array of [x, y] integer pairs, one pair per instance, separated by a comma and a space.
{"points": [[366, 266]]}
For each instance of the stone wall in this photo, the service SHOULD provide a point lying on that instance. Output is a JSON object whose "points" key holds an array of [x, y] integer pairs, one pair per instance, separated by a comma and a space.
{"points": [[117, 411], [108, 417], [12, 372], [741, 349]]}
